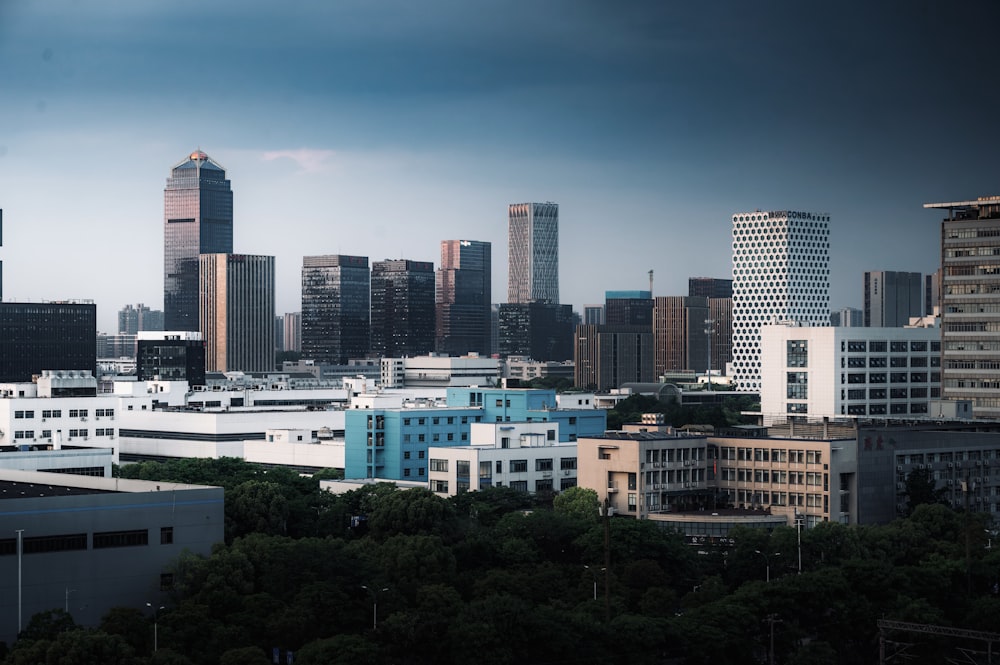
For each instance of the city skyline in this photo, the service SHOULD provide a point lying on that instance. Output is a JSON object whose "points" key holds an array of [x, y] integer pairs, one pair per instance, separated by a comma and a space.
{"points": [[380, 131]]}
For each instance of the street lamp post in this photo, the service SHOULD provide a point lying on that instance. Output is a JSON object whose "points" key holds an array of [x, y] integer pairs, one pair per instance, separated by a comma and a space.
{"points": [[767, 564], [20, 551], [374, 593], [156, 626], [593, 572]]}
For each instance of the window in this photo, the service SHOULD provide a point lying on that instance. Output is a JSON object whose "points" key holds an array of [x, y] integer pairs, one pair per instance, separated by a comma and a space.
{"points": [[499, 466], [64, 543], [857, 346], [550, 435], [421, 454], [543, 465], [632, 502], [518, 465], [499, 402], [451, 436], [421, 471], [797, 385], [451, 420], [567, 463], [406, 473], [519, 485], [166, 535], [439, 486], [797, 353], [435, 421], [406, 422], [108, 539], [420, 438], [462, 468], [897, 347], [572, 420], [406, 455]]}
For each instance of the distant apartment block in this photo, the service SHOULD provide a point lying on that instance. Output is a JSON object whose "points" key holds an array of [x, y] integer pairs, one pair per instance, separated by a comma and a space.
{"points": [[605, 357], [681, 334], [463, 298]]}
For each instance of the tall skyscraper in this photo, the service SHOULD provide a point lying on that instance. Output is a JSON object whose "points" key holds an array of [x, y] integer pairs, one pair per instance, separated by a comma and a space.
{"points": [[336, 308], [891, 298], [781, 272], [533, 253], [293, 331], [970, 303], [402, 308], [607, 356], [197, 219], [237, 312], [680, 335], [464, 298]]}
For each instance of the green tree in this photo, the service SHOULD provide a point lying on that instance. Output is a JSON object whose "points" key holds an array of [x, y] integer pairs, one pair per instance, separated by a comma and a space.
{"points": [[244, 656], [921, 488], [579, 503], [411, 512], [256, 506]]}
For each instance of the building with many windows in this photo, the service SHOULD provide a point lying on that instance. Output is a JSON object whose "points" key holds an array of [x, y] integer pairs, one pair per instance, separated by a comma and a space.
{"points": [[680, 334], [849, 371], [237, 312], [892, 298], [49, 335], [540, 330], [292, 337], [523, 456], [605, 357], [402, 318], [710, 287], [781, 272], [336, 308], [533, 253], [133, 319], [463, 298], [970, 303], [171, 356], [197, 219], [628, 308]]}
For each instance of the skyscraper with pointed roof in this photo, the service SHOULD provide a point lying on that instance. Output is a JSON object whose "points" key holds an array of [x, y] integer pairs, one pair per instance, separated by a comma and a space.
{"points": [[197, 219]]}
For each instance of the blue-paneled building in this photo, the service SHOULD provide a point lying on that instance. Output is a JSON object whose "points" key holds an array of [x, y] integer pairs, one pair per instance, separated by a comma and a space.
{"points": [[393, 443]]}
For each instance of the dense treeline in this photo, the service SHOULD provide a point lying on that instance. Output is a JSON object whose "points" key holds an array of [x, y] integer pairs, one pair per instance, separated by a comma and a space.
{"points": [[496, 577]]}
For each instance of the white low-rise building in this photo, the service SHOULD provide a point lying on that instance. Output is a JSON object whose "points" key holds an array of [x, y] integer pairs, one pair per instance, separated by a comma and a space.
{"points": [[525, 456], [436, 371], [827, 371]]}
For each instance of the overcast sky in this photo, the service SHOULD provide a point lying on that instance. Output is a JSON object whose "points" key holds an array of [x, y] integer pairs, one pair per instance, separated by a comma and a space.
{"points": [[382, 128]]}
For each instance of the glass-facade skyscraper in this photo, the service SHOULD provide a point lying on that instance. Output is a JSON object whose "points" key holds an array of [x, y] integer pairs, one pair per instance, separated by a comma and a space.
{"points": [[463, 300], [336, 305], [237, 312], [533, 253], [197, 219], [402, 308]]}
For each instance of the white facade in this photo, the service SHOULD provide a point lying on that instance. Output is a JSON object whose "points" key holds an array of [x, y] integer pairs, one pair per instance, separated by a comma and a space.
{"points": [[29, 421], [523, 456], [436, 371], [849, 371], [781, 272]]}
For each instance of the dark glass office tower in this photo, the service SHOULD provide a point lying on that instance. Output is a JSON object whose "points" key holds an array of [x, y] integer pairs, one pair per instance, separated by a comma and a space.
{"points": [[336, 305], [402, 308], [197, 219], [39, 336], [464, 283]]}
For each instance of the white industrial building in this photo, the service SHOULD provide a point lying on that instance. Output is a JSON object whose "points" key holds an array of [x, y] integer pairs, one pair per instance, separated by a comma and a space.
{"points": [[524, 456], [436, 371], [848, 371]]}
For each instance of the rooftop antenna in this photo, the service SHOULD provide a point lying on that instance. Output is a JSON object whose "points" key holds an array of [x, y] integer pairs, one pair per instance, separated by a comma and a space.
{"points": [[650, 283]]}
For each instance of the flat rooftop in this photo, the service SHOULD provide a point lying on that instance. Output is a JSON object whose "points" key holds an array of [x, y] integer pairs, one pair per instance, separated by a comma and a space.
{"points": [[21, 490]]}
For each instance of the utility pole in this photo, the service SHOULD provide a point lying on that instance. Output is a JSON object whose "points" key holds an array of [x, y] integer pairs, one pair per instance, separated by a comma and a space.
{"points": [[607, 559]]}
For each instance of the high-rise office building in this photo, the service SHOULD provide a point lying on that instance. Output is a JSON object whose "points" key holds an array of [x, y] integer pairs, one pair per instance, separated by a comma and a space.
{"points": [[680, 334], [970, 303], [607, 356], [293, 331], [892, 298], [710, 287], [533, 253], [932, 293], [463, 298], [720, 321], [133, 319], [40, 336], [237, 312], [781, 272], [336, 308], [541, 331], [170, 356], [628, 308], [402, 308], [197, 219], [593, 315]]}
